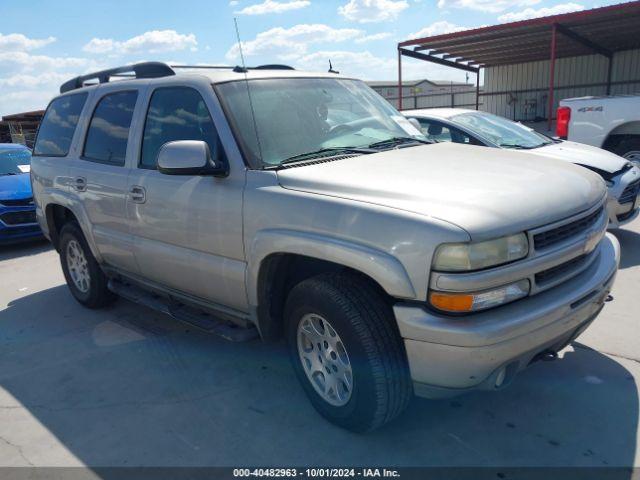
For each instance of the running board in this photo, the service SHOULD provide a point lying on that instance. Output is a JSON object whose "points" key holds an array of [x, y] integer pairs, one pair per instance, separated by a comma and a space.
{"points": [[192, 316]]}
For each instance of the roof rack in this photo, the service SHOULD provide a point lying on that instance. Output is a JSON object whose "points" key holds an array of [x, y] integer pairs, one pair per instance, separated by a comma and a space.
{"points": [[153, 70], [141, 70], [238, 68], [274, 66], [204, 67]]}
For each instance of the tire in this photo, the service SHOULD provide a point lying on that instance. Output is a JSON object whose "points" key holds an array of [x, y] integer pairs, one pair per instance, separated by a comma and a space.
{"points": [[629, 149], [93, 291], [364, 324]]}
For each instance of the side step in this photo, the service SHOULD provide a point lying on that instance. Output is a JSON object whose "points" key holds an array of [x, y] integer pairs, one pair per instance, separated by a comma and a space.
{"points": [[184, 313]]}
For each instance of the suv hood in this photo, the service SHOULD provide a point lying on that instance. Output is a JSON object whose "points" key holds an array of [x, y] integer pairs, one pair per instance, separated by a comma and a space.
{"points": [[486, 191], [15, 187], [582, 155]]}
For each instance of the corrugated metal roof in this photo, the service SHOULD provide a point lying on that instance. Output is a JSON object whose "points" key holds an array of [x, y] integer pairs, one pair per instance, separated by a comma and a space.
{"points": [[613, 28]]}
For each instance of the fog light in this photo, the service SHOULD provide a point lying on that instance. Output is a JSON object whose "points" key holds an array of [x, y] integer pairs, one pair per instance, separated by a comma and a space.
{"points": [[500, 378]]}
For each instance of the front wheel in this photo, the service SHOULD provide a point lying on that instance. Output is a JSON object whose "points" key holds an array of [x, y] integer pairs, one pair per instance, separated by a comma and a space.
{"points": [[347, 352], [87, 282]]}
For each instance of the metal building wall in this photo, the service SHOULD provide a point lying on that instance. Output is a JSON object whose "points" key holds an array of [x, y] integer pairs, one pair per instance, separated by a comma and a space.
{"points": [[459, 99], [520, 91]]}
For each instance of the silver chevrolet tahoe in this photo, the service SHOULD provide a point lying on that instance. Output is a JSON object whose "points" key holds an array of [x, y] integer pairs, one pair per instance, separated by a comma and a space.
{"points": [[267, 201]]}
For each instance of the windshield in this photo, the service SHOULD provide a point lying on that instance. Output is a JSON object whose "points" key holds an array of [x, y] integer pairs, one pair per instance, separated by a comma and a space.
{"points": [[501, 131], [295, 117], [14, 161]]}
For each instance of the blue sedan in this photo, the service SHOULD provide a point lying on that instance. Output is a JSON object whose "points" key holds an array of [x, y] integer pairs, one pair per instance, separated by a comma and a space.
{"points": [[17, 211]]}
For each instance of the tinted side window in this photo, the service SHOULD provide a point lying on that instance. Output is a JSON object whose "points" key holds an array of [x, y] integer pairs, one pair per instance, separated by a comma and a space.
{"points": [[435, 131], [176, 113], [109, 128], [58, 125], [460, 137]]}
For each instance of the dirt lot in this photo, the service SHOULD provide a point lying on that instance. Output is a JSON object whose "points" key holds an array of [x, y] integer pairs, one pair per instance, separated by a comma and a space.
{"points": [[128, 387]]}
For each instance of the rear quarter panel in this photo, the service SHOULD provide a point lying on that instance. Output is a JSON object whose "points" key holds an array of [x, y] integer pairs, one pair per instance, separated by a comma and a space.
{"points": [[593, 119]]}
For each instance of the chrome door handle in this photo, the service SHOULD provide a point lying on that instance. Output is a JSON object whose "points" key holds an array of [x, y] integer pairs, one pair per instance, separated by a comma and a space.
{"points": [[80, 184], [137, 194]]}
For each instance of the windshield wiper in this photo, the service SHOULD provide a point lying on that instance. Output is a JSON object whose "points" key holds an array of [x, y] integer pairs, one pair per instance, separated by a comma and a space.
{"points": [[520, 147], [392, 142], [324, 152]]}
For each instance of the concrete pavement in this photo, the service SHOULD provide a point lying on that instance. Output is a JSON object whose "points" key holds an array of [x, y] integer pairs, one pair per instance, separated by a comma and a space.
{"points": [[128, 387]]}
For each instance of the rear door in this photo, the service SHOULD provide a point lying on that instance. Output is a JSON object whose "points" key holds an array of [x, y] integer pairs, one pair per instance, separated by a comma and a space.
{"points": [[99, 174]]}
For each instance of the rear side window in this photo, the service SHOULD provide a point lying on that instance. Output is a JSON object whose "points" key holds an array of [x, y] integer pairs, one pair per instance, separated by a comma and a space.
{"points": [[58, 125], [176, 113], [435, 131], [108, 131]]}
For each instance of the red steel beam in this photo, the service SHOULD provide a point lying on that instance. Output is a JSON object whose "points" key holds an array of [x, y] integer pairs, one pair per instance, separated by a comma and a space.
{"points": [[399, 79], [552, 68]]}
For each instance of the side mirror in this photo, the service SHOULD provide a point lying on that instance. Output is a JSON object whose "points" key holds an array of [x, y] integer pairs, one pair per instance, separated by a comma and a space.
{"points": [[415, 123], [189, 157]]}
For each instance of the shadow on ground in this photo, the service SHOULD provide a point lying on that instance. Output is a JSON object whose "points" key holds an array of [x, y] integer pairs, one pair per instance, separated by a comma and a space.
{"points": [[125, 386], [24, 249]]}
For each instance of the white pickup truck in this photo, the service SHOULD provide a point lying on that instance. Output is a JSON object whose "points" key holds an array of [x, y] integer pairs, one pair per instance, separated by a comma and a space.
{"points": [[612, 123]]}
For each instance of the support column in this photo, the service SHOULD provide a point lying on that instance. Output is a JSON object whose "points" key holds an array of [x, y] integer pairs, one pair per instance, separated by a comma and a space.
{"points": [[552, 71], [478, 90], [399, 80], [609, 72]]}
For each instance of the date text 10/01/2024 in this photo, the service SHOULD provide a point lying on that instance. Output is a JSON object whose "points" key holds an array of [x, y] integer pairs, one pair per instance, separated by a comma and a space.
{"points": [[316, 472]]}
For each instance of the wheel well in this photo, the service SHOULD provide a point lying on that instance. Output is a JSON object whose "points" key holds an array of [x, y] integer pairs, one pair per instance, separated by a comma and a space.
{"points": [[279, 273], [621, 133], [57, 216]]}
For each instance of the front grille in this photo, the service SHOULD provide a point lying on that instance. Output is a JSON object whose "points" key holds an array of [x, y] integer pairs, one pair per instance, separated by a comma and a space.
{"points": [[556, 235], [18, 218], [629, 194], [551, 274], [625, 216], [17, 231], [23, 202]]}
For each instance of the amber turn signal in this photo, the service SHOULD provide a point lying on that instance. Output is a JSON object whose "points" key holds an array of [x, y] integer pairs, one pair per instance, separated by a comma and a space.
{"points": [[452, 302]]}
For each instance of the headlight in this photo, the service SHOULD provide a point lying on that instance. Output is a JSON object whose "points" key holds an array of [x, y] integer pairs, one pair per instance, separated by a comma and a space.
{"points": [[460, 257], [473, 302]]}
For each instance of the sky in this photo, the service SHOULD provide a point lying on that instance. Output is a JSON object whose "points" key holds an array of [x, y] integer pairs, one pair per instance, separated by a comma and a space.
{"points": [[45, 42]]}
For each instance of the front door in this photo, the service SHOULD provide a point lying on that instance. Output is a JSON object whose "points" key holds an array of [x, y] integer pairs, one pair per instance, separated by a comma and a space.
{"points": [[187, 229]]}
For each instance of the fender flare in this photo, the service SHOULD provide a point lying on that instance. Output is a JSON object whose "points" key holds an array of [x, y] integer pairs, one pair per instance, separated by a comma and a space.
{"points": [[385, 269], [65, 200]]}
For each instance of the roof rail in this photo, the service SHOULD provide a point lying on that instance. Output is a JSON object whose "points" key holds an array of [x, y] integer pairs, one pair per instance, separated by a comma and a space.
{"points": [[141, 70], [274, 66], [237, 68], [204, 67]]}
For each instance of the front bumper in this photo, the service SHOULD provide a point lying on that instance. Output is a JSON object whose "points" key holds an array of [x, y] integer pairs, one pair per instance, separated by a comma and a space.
{"points": [[452, 355], [623, 205], [18, 232]]}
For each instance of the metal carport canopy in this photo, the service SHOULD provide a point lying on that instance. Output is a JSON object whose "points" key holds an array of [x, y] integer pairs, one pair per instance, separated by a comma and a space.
{"points": [[602, 30]]}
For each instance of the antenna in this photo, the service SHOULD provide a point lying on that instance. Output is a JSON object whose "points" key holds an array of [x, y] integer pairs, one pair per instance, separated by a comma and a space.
{"points": [[246, 80], [331, 70]]}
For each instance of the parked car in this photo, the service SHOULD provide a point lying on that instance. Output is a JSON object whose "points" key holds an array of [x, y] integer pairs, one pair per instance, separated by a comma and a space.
{"points": [[481, 128], [17, 211], [611, 122], [390, 265]]}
